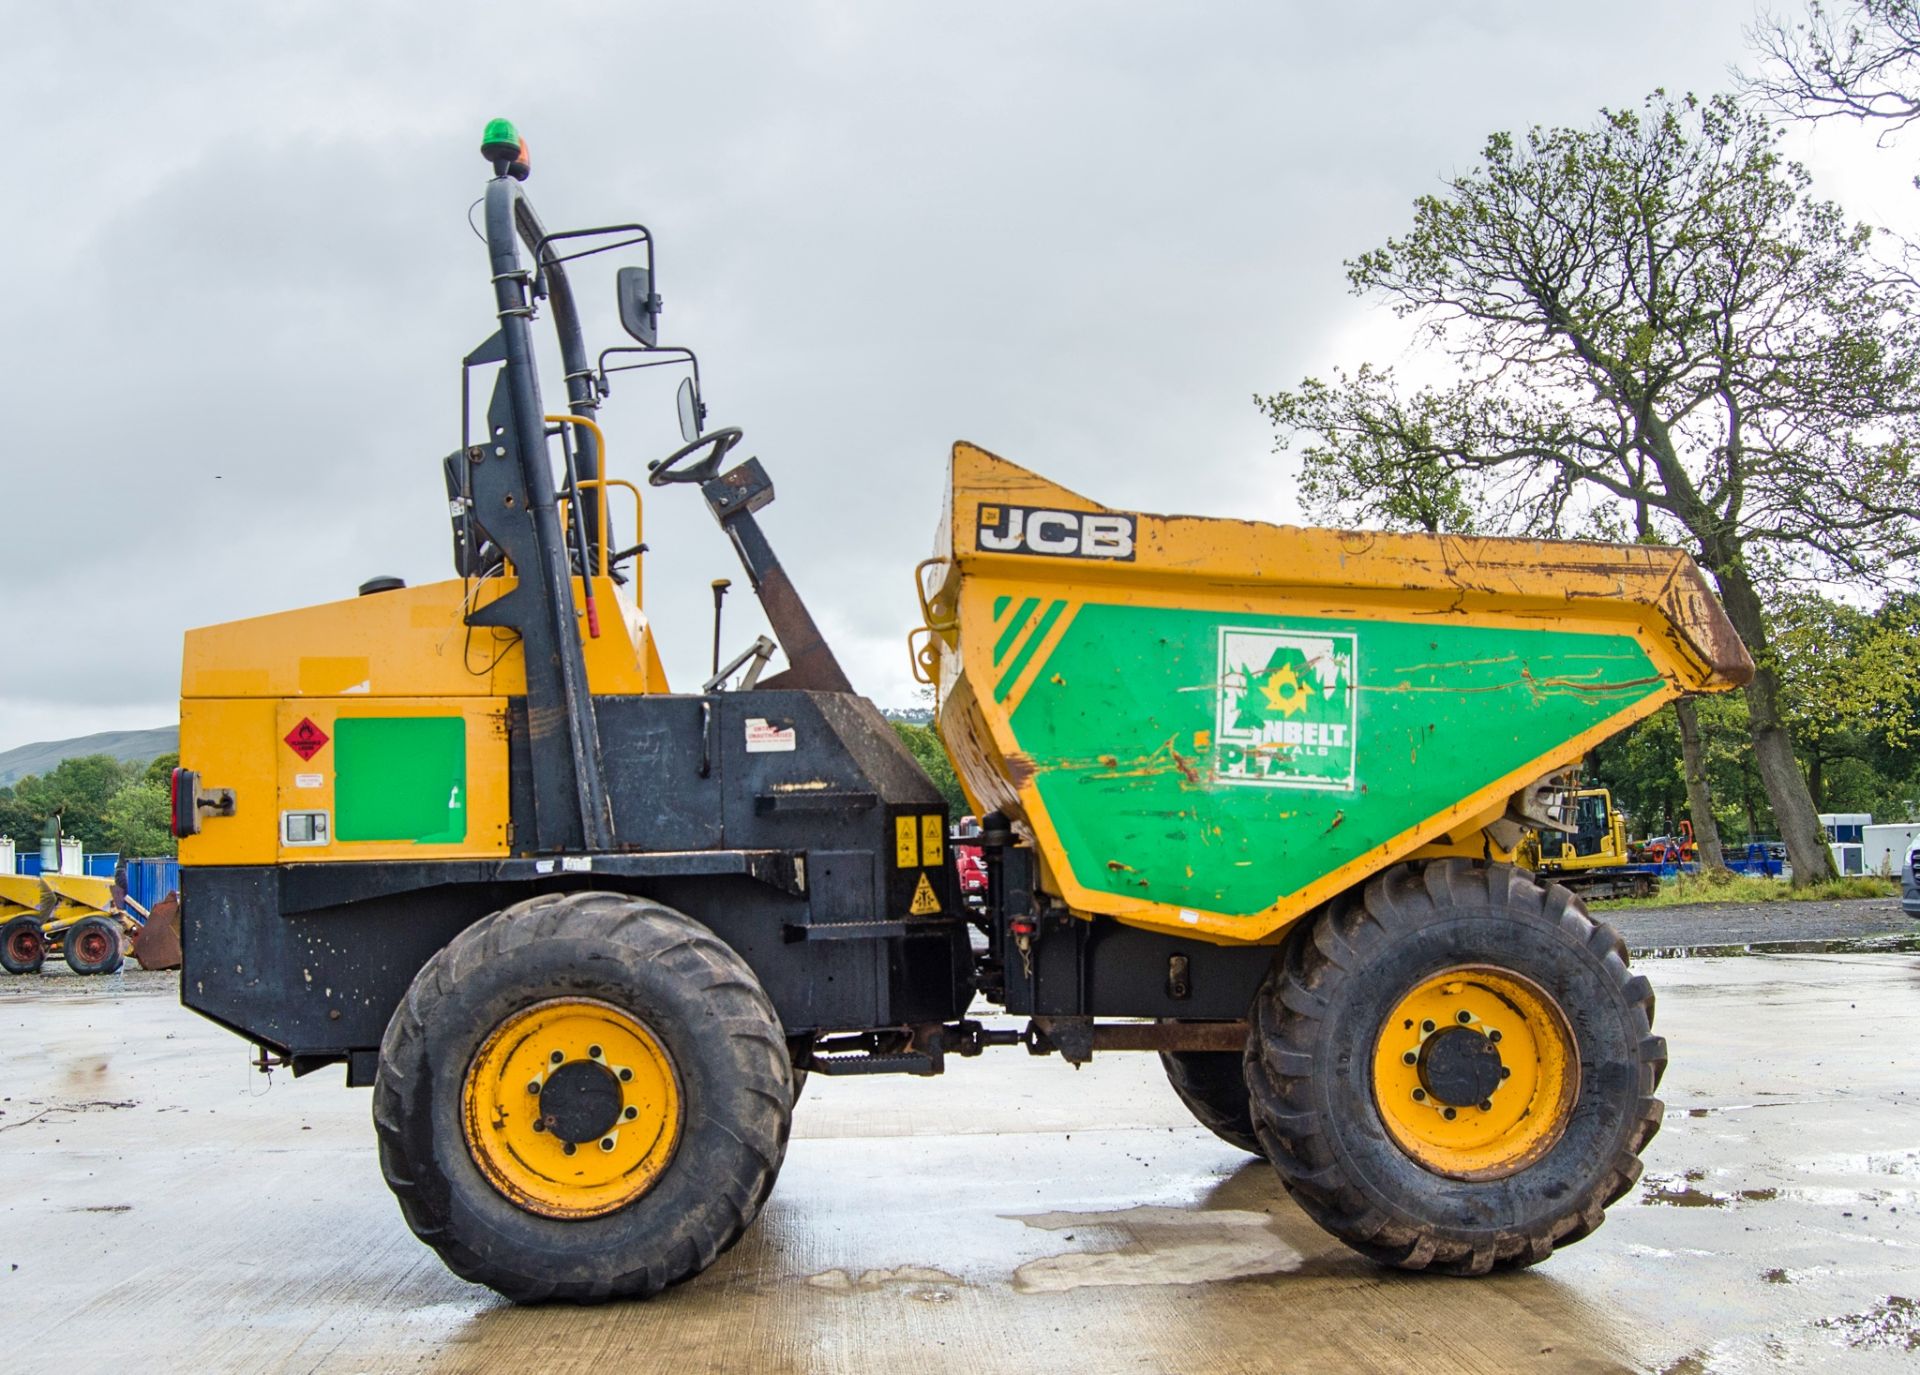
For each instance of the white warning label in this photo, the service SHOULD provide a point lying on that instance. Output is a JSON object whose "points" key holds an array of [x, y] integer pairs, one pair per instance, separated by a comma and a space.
{"points": [[764, 737]]}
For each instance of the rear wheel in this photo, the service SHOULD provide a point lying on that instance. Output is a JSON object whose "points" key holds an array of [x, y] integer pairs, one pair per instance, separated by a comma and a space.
{"points": [[585, 1096], [23, 946], [92, 946], [1213, 1085], [1456, 1070]]}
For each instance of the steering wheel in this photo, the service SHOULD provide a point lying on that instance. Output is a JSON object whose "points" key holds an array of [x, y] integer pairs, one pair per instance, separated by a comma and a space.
{"points": [[675, 467]]}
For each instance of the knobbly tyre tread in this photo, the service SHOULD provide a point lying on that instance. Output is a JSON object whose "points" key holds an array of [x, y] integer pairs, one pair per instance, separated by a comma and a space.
{"points": [[7, 931], [739, 1013], [1213, 1085], [1285, 1062]]}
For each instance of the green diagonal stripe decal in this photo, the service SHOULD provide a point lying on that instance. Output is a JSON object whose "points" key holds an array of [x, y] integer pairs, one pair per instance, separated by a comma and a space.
{"points": [[1012, 632], [1012, 675]]}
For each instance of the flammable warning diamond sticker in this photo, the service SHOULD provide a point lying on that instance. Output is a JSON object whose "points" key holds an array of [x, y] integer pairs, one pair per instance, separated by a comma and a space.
{"points": [[306, 739], [925, 904]]}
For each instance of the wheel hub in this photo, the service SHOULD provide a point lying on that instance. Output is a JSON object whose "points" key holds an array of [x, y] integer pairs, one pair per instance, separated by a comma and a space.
{"points": [[1460, 1067], [572, 1108], [580, 1101], [1475, 1072]]}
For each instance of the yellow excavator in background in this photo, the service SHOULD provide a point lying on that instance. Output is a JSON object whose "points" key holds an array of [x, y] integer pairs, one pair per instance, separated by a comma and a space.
{"points": [[1592, 858]]}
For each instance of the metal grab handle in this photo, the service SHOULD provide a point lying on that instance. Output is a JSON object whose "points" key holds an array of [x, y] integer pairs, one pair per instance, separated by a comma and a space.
{"points": [[600, 446], [934, 614]]}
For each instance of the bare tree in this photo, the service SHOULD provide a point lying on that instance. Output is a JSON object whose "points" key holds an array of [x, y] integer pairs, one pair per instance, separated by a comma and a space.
{"points": [[1657, 333], [1857, 59]]}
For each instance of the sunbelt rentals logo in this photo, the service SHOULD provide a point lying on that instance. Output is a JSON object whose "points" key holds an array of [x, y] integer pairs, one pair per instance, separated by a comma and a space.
{"points": [[1286, 714]]}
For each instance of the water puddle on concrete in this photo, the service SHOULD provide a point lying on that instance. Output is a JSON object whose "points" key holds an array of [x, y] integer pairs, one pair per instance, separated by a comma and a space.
{"points": [[921, 1282], [1893, 1324], [1850, 945], [1684, 1191], [1158, 1246]]}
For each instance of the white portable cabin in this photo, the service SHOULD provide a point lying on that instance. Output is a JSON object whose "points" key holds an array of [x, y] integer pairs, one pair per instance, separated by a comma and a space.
{"points": [[1885, 847], [1846, 837]]}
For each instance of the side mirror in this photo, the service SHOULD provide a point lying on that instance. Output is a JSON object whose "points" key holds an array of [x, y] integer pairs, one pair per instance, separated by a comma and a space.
{"points": [[639, 307], [691, 411]]}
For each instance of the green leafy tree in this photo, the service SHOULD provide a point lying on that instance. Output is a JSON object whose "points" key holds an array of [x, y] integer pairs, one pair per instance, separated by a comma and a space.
{"points": [[924, 744], [1658, 333], [137, 820], [161, 770], [1847, 678], [78, 790]]}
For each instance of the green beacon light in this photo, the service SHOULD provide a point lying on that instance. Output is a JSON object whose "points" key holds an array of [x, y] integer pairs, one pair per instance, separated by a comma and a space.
{"points": [[502, 146]]}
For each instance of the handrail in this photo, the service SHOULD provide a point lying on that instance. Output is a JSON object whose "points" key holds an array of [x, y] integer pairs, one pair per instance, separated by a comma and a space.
{"points": [[599, 443], [603, 483]]}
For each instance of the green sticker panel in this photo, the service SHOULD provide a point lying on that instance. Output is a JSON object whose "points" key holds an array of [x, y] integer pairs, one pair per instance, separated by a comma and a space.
{"points": [[400, 778], [1221, 763]]}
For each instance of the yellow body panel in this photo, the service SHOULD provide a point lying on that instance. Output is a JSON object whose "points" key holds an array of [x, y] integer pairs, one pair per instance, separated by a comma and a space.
{"points": [[407, 653], [81, 890], [413, 642], [979, 601], [21, 890]]}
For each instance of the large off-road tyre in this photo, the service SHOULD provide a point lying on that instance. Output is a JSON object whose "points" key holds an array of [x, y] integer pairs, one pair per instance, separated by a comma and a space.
{"points": [[92, 945], [23, 945], [585, 1096], [1454, 1070], [1213, 1085]]}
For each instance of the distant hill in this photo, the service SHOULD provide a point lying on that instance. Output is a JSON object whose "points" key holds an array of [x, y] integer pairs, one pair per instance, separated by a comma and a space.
{"points": [[128, 746]]}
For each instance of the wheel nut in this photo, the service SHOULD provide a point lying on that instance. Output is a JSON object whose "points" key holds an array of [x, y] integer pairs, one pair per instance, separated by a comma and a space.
{"points": [[632, 1113], [1505, 1073], [606, 1143], [1427, 1025], [538, 1125], [1449, 1114], [534, 1087], [1419, 1095], [625, 1075], [1493, 1035], [1487, 1106], [593, 1052], [1410, 1058], [1463, 1016], [557, 1057], [567, 1148]]}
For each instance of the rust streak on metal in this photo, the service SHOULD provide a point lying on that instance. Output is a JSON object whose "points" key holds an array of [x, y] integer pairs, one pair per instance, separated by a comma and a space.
{"points": [[1216, 1036]]}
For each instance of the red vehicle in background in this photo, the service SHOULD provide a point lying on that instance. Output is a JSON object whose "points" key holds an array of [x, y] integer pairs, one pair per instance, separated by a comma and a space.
{"points": [[968, 861], [1678, 849]]}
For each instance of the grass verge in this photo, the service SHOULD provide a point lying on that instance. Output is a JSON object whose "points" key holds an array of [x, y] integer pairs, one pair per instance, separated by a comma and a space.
{"points": [[1689, 889]]}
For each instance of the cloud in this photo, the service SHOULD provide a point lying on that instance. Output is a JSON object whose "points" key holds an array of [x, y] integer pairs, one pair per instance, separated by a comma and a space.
{"points": [[1079, 234]]}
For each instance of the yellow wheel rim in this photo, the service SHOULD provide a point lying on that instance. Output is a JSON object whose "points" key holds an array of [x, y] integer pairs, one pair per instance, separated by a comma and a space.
{"points": [[1475, 1072], [572, 1108]]}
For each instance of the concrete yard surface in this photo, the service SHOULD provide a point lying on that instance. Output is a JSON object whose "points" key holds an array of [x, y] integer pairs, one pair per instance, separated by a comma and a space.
{"points": [[164, 1207]]}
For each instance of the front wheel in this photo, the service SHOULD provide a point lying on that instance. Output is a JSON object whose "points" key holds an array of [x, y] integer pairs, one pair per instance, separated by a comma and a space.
{"points": [[585, 1096], [92, 946], [1456, 1070], [23, 946]]}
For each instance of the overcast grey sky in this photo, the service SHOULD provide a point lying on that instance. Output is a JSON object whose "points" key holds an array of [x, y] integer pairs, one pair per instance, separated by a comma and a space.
{"points": [[1079, 234]]}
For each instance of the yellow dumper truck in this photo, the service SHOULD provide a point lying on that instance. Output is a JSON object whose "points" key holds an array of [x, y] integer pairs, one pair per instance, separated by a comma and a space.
{"points": [[1249, 794]]}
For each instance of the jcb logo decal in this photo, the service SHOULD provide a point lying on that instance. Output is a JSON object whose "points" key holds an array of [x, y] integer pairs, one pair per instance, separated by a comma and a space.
{"points": [[1059, 534]]}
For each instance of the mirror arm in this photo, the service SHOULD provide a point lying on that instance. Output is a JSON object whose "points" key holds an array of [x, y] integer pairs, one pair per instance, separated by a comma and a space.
{"points": [[660, 357]]}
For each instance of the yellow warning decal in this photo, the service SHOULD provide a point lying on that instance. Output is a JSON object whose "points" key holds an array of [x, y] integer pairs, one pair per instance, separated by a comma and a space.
{"points": [[906, 842], [925, 904], [933, 836]]}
